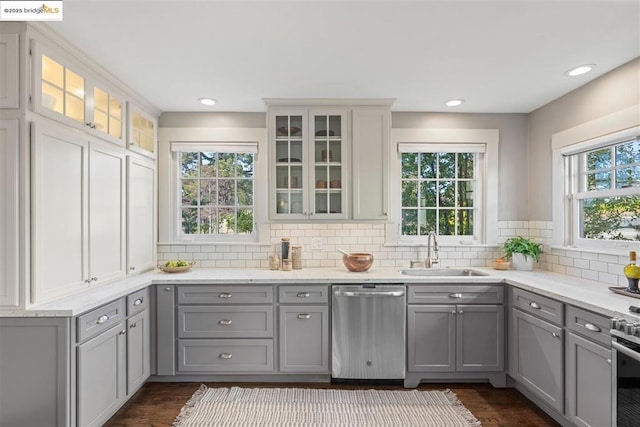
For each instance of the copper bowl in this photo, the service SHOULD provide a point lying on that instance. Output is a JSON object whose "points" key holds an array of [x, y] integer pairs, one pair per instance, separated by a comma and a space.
{"points": [[358, 261]]}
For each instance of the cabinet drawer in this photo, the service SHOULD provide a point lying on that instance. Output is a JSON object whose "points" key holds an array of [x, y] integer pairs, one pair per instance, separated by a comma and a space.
{"points": [[456, 294], [99, 319], [225, 294], [137, 301], [588, 324], [225, 356], [543, 307], [303, 294], [197, 321]]}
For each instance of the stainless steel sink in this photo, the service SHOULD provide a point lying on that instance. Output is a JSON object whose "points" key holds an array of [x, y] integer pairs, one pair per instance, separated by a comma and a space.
{"points": [[441, 272]]}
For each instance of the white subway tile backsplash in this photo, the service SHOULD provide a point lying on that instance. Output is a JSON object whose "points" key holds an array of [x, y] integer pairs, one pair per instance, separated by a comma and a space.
{"points": [[602, 267]]}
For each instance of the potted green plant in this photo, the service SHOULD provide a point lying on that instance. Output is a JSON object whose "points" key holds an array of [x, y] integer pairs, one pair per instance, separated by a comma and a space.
{"points": [[522, 252]]}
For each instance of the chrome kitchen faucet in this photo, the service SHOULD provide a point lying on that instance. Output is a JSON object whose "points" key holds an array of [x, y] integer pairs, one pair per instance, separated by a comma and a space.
{"points": [[430, 261]]}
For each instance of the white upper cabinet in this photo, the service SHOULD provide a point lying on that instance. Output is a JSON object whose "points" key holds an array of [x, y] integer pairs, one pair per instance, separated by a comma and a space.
{"points": [[9, 213], [78, 227], [66, 92], [9, 71], [143, 132], [309, 157], [141, 214]]}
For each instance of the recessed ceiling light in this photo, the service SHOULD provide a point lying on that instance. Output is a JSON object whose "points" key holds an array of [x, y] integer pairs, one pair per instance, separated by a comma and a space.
{"points": [[454, 102], [580, 70], [207, 101]]}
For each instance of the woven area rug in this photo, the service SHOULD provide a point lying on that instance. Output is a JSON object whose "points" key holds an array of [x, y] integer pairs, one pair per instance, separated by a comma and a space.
{"points": [[238, 406]]}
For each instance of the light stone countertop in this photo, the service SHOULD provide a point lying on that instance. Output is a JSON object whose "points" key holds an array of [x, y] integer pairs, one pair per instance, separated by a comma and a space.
{"points": [[584, 293]]}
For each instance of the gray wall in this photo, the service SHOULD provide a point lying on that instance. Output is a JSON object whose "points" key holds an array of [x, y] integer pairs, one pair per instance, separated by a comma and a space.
{"points": [[513, 200], [614, 91]]}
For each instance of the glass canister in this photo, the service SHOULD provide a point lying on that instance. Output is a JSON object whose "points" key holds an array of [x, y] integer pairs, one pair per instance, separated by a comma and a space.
{"points": [[274, 262], [296, 257]]}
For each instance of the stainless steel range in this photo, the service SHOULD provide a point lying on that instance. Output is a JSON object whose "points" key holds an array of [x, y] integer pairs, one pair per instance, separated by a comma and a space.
{"points": [[625, 362]]}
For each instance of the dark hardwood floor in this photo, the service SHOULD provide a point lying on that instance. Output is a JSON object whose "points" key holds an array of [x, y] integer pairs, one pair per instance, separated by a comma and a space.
{"points": [[157, 404]]}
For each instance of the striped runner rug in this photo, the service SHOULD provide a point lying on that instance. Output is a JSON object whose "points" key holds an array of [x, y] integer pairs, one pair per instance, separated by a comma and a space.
{"points": [[238, 406]]}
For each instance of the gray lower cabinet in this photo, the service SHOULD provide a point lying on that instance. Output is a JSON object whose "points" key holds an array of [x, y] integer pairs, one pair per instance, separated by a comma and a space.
{"points": [[588, 368], [455, 328], [538, 357], [102, 369], [455, 338], [165, 351], [304, 338], [138, 351]]}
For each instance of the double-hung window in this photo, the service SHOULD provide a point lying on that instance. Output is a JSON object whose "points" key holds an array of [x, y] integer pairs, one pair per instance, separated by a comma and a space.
{"points": [[441, 187], [603, 192], [215, 190]]}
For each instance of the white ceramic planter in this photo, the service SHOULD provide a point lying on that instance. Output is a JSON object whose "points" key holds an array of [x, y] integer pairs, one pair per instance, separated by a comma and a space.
{"points": [[521, 262]]}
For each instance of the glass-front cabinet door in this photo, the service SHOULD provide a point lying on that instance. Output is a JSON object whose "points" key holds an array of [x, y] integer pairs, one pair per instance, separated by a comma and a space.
{"points": [[308, 176], [64, 92]]}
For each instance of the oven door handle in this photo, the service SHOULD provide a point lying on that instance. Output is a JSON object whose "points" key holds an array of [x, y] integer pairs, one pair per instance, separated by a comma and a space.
{"points": [[626, 351]]}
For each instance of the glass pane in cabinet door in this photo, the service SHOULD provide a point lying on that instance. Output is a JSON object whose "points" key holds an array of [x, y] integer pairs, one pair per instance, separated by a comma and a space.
{"points": [[115, 128], [115, 109], [335, 177], [52, 72], [322, 201], [101, 100], [74, 107], [296, 202], [289, 126], [296, 177], [335, 151], [101, 121], [282, 202], [322, 177], [335, 202], [282, 177], [52, 98], [321, 151], [74, 84], [335, 126]]}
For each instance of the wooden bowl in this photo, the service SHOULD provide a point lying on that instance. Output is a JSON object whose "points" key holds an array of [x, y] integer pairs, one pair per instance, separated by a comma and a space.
{"points": [[358, 261]]}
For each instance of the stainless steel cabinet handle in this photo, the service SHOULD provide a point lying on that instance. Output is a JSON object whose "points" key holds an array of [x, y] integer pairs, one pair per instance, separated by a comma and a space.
{"points": [[102, 319], [225, 322], [224, 295], [225, 356], [455, 295], [460, 312], [592, 327], [138, 302], [123, 332], [304, 316], [133, 325], [454, 312], [303, 295], [132, 268], [555, 335], [535, 305], [168, 289]]}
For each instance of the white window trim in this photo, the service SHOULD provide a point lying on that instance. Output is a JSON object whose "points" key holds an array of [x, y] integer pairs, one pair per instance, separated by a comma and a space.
{"points": [[168, 181], [624, 124], [487, 230]]}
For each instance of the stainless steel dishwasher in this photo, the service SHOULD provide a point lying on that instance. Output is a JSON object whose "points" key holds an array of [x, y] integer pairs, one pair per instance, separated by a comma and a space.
{"points": [[368, 324]]}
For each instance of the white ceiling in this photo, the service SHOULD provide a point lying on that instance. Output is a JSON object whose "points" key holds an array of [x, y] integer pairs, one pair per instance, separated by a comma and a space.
{"points": [[500, 56]]}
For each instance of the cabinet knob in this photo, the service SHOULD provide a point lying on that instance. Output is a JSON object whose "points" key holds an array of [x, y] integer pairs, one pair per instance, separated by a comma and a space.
{"points": [[133, 325], [453, 312], [137, 302], [592, 327], [123, 332], [168, 289], [87, 281], [535, 305], [455, 295], [102, 319], [460, 312], [131, 268], [94, 279], [224, 295], [303, 295], [555, 335], [304, 316], [225, 322], [609, 361], [225, 356]]}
